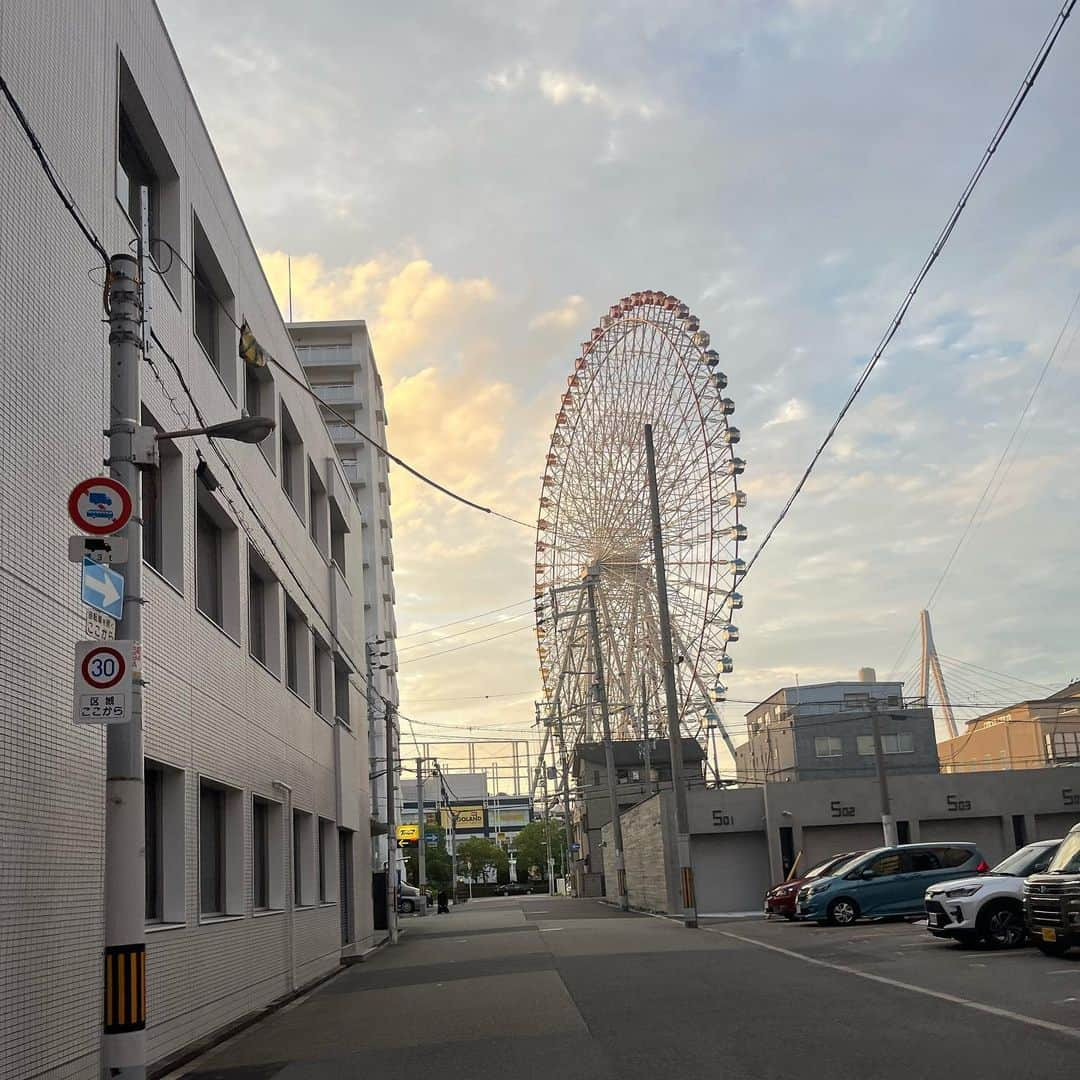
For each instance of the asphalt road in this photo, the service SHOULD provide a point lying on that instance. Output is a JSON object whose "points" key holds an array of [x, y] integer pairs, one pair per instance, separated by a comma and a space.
{"points": [[575, 989]]}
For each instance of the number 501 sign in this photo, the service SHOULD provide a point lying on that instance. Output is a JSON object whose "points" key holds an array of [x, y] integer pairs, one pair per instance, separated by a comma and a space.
{"points": [[102, 682]]}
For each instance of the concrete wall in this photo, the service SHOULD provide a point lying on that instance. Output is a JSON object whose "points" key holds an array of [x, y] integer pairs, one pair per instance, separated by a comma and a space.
{"points": [[211, 710], [736, 833], [648, 847]]}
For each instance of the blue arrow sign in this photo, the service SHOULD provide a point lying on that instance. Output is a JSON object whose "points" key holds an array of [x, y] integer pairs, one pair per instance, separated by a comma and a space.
{"points": [[102, 588]]}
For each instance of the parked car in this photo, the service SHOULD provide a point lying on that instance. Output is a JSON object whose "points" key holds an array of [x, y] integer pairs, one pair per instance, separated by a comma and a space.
{"points": [[989, 907], [780, 899], [887, 881], [408, 898], [1052, 899], [514, 888]]}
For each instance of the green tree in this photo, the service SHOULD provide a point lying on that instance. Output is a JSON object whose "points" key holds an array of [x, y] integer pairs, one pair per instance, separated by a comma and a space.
{"points": [[438, 867], [532, 843], [477, 856]]}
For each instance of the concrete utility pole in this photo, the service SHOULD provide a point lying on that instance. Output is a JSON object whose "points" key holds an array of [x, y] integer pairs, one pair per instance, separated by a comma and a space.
{"points": [[391, 830], [888, 824], [421, 868], [646, 743], [124, 974], [682, 817], [609, 750], [568, 827]]}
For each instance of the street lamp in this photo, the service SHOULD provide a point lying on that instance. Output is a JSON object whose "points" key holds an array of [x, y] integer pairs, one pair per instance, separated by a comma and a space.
{"points": [[248, 429]]}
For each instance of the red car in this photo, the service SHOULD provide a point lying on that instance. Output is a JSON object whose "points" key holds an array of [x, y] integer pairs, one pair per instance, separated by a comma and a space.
{"points": [[780, 900]]}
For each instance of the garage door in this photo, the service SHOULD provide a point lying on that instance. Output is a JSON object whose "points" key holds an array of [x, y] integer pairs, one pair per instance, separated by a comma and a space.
{"points": [[984, 831], [1051, 826], [823, 841], [731, 872]]}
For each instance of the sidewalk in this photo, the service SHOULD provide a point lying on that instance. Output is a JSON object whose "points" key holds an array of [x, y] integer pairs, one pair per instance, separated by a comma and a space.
{"points": [[474, 993]]}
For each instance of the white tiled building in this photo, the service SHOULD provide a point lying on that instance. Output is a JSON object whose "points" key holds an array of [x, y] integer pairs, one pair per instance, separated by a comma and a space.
{"points": [[340, 364], [254, 626]]}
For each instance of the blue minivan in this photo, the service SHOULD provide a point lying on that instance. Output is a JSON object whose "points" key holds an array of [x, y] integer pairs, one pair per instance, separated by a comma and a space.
{"points": [[887, 881]]}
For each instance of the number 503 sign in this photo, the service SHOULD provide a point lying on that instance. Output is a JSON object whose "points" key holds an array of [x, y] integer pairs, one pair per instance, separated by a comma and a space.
{"points": [[102, 682]]}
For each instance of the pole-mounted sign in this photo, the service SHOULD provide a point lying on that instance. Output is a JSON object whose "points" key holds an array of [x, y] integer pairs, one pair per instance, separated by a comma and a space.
{"points": [[100, 505], [102, 682]]}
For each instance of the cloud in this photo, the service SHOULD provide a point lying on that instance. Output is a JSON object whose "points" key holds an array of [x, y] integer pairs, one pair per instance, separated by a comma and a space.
{"points": [[791, 411], [567, 315], [506, 79], [406, 304], [564, 87]]}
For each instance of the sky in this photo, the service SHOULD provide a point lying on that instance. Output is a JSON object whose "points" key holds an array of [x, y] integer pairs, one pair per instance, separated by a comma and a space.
{"points": [[482, 180]]}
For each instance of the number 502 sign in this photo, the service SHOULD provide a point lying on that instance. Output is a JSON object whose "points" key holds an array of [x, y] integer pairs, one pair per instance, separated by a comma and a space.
{"points": [[102, 682]]}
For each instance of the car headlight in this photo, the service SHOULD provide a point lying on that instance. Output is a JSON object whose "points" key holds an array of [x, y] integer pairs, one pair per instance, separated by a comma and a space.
{"points": [[964, 890], [815, 889]]}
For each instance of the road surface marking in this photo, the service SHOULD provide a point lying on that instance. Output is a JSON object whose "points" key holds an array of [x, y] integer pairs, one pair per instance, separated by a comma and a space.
{"points": [[1064, 971], [993, 1010], [548, 929]]}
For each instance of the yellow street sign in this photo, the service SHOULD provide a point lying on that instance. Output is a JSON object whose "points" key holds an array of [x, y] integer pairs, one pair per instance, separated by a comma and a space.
{"points": [[408, 832]]}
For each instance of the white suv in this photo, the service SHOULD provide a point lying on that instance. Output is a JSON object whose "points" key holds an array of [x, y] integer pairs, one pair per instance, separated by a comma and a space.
{"points": [[989, 907]]}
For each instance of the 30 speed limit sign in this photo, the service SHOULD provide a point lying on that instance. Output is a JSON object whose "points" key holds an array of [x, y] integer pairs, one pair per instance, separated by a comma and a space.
{"points": [[102, 682]]}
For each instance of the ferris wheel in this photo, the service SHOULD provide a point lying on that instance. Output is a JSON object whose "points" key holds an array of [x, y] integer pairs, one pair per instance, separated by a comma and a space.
{"points": [[648, 361]]}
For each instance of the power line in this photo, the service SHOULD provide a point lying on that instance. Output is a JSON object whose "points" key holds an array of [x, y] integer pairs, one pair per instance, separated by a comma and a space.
{"points": [[1005, 453], [467, 645], [470, 630], [52, 176], [939, 245], [308, 389], [465, 618]]}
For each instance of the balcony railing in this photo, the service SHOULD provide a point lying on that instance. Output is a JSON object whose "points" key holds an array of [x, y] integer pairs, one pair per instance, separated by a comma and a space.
{"points": [[335, 394]]}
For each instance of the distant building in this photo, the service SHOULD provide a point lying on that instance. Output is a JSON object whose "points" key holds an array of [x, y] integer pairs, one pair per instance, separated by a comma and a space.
{"points": [[1028, 735], [825, 731], [340, 365], [478, 813], [633, 783]]}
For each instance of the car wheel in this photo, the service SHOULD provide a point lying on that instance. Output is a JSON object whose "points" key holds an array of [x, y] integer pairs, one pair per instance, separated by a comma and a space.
{"points": [[843, 911], [407, 907], [790, 918], [1053, 948], [1001, 926]]}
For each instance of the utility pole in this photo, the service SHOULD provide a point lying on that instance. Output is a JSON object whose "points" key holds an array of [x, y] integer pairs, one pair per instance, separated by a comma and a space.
{"points": [[568, 827], [124, 1011], [391, 831], [888, 824], [646, 741], [421, 868], [453, 850], [682, 817], [609, 750]]}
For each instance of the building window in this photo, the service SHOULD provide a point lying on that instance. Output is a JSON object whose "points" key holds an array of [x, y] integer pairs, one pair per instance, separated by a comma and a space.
{"points": [[163, 510], [318, 516], [260, 854], [221, 861], [214, 307], [259, 400], [164, 807], [217, 584], [828, 746], [292, 461], [901, 743], [303, 859], [323, 677], [341, 690], [1062, 746], [856, 701], [297, 642], [145, 175], [263, 618], [338, 529], [327, 877]]}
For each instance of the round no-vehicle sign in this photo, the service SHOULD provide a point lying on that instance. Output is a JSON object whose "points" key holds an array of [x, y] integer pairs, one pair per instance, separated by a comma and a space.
{"points": [[103, 667], [100, 505]]}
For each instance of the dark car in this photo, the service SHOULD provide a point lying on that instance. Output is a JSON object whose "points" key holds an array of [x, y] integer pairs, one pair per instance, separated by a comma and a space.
{"points": [[514, 888], [780, 899], [887, 881], [1052, 899]]}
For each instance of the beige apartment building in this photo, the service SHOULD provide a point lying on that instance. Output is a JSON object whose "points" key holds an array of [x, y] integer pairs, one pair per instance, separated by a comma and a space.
{"points": [[1028, 735]]}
